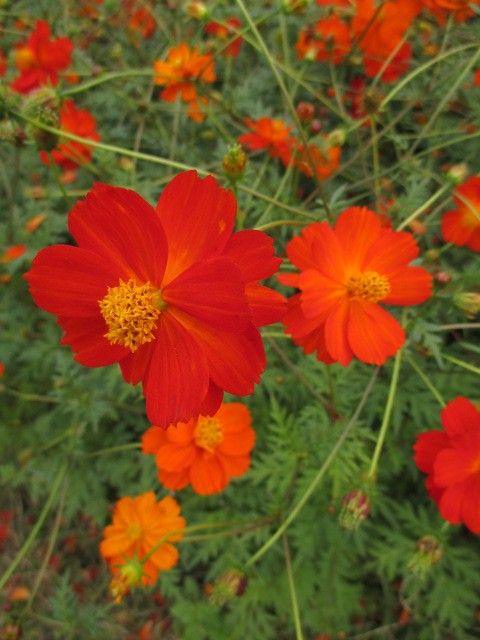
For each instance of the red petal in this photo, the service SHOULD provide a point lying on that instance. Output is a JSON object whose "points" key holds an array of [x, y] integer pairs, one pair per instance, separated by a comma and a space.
{"points": [[336, 334], [212, 291], [239, 443], [427, 447], [234, 466], [471, 501], [153, 439], [391, 252], [451, 466], [454, 228], [123, 228], [459, 415], [330, 259], [174, 480], [300, 248], [135, 365], [86, 338], [450, 504], [198, 217], [253, 253], [307, 333], [207, 475], [411, 285], [69, 281], [267, 306], [212, 400], [373, 334], [177, 379], [357, 228], [319, 294], [235, 360]]}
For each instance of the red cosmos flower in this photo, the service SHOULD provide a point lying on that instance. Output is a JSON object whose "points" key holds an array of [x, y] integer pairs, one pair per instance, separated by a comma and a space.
{"points": [[441, 9], [204, 452], [346, 271], [273, 136], [71, 154], [39, 59], [462, 225], [380, 33], [328, 39], [170, 294], [183, 68], [225, 31], [451, 458], [140, 18], [13, 253]]}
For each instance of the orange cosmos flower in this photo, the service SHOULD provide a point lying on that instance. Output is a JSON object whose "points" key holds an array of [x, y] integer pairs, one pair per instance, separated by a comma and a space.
{"points": [[140, 18], [462, 225], [71, 154], [13, 253], [34, 222], [225, 31], [346, 272], [380, 33], [171, 293], [204, 452], [138, 543], [328, 39], [325, 161], [39, 59], [451, 458], [183, 68], [273, 136]]}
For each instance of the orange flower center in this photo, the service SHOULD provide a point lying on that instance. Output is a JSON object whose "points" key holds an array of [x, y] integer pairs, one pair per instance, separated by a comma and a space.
{"points": [[370, 286], [24, 58], [134, 531], [131, 312], [208, 434]]}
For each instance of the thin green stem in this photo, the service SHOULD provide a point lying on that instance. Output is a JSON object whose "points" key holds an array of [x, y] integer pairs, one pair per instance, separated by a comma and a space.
{"points": [[386, 416], [461, 363], [426, 380], [426, 205], [318, 477], [108, 450], [107, 77], [293, 593], [36, 528]]}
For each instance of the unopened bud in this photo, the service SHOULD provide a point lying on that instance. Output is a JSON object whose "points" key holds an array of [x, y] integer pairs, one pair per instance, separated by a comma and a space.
{"points": [[337, 137], [229, 585], [234, 162], [457, 173], [196, 9], [468, 302], [428, 553], [355, 509], [295, 6], [129, 575], [42, 106], [305, 111]]}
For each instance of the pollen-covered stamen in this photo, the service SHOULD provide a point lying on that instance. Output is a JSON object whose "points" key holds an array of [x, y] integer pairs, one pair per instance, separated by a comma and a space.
{"points": [[208, 434], [370, 286], [131, 311]]}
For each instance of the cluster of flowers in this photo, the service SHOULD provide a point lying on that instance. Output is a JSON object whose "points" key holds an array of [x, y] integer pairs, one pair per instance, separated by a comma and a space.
{"points": [[172, 293]]}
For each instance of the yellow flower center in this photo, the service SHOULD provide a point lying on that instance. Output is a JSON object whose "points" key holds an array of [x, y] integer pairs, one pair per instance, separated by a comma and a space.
{"points": [[369, 286], [24, 58], [208, 434], [134, 531], [131, 312]]}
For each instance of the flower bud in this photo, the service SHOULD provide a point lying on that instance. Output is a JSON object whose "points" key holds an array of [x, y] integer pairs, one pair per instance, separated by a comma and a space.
{"points": [[229, 585], [42, 105], [355, 509], [129, 575], [468, 302], [428, 553], [234, 162], [457, 173], [305, 111], [196, 9], [295, 6]]}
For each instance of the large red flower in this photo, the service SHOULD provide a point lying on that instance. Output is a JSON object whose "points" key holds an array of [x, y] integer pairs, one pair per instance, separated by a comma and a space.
{"points": [[346, 271], [462, 225], [451, 458], [70, 154], [170, 294], [39, 59]]}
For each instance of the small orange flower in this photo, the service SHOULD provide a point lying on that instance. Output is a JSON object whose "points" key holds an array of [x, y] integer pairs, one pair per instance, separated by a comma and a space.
{"points": [[225, 31], [143, 530], [271, 135], [325, 161], [347, 273], [34, 222], [39, 59], [140, 18], [328, 39], [13, 253], [461, 226], [441, 9], [204, 452], [71, 154], [183, 68]]}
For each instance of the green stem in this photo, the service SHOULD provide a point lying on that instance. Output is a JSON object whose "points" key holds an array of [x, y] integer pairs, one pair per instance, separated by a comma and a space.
{"points": [[120, 447], [426, 380], [319, 476], [293, 593], [38, 525], [428, 203], [114, 75], [461, 363], [386, 416]]}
